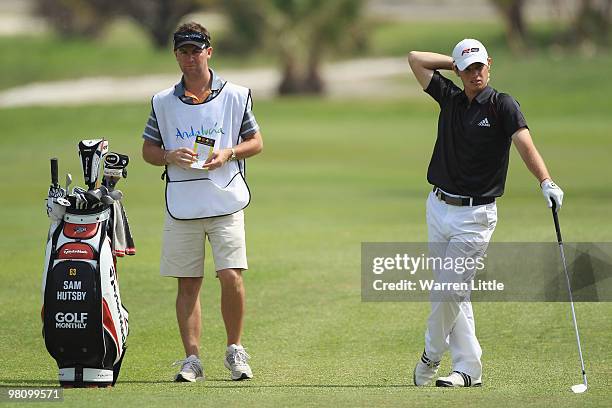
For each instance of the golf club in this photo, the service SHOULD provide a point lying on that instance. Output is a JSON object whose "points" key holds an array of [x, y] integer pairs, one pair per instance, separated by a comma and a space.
{"points": [[55, 184], [68, 182], [54, 172], [578, 388], [106, 199], [100, 194], [115, 194], [62, 201]]}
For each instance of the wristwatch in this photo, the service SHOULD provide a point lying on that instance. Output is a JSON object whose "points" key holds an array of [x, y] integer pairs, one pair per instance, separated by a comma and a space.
{"points": [[233, 156]]}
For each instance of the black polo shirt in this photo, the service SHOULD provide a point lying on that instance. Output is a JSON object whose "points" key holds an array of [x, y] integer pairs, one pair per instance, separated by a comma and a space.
{"points": [[472, 149]]}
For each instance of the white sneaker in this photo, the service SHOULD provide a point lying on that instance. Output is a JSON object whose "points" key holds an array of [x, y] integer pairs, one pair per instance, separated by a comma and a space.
{"points": [[236, 360], [425, 371], [458, 379], [191, 370]]}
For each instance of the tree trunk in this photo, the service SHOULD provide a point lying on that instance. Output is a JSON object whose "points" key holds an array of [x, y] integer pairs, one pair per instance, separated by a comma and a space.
{"points": [[314, 81], [607, 20], [295, 81], [517, 22], [291, 82], [516, 30]]}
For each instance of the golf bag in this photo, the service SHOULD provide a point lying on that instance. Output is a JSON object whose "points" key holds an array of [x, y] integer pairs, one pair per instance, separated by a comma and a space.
{"points": [[85, 325]]}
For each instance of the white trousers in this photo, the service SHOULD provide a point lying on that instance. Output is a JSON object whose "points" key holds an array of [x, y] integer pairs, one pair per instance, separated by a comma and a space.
{"points": [[456, 232]]}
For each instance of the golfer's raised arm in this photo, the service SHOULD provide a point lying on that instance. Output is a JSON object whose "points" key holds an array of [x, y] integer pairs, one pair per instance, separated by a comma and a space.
{"points": [[423, 65]]}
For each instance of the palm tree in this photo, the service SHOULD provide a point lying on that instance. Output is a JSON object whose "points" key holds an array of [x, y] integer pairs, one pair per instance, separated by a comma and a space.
{"points": [[300, 32]]}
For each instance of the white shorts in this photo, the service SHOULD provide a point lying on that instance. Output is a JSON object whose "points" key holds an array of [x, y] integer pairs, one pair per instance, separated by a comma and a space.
{"points": [[183, 245]]}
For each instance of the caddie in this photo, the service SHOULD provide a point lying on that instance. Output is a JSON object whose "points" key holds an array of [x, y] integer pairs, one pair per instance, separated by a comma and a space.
{"points": [[468, 168], [202, 130]]}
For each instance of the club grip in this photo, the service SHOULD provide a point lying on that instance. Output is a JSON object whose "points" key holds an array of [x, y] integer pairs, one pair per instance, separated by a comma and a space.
{"points": [[556, 219], [54, 171]]}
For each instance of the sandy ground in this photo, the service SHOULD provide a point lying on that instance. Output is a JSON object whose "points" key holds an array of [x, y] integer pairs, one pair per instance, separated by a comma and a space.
{"points": [[361, 78]]}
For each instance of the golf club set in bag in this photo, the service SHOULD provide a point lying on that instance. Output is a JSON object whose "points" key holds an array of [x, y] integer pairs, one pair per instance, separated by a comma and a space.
{"points": [[85, 325]]}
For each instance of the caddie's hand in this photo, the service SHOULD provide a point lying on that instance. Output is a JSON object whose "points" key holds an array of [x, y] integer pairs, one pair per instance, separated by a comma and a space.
{"points": [[182, 157], [217, 159], [552, 191]]}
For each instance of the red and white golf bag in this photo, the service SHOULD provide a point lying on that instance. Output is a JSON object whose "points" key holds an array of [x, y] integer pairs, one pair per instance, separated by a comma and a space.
{"points": [[85, 325]]}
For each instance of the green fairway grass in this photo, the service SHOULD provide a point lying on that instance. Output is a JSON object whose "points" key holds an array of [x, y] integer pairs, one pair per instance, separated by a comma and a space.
{"points": [[332, 175]]}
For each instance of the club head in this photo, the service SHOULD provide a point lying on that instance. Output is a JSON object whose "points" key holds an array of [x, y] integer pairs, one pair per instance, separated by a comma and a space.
{"points": [[62, 201], [68, 182], [115, 195], [93, 195], [106, 199], [97, 194], [110, 182], [579, 388]]}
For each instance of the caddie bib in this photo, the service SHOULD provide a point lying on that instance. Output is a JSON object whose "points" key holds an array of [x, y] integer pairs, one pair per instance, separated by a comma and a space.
{"points": [[214, 125]]}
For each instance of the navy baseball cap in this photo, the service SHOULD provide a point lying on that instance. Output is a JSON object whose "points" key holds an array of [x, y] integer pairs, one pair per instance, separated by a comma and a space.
{"points": [[196, 38]]}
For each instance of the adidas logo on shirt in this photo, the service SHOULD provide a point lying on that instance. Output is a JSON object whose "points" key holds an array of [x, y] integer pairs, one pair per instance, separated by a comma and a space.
{"points": [[484, 123]]}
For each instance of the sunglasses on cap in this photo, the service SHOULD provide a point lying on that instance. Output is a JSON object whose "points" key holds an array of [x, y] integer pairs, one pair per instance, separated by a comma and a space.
{"points": [[191, 37]]}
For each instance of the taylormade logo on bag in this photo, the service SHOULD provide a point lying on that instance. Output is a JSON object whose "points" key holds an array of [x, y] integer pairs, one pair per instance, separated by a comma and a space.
{"points": [[74, 252], [70, 320]]}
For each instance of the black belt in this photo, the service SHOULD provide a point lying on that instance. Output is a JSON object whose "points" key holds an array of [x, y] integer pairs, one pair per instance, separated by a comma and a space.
{"points": [[462, 201]]}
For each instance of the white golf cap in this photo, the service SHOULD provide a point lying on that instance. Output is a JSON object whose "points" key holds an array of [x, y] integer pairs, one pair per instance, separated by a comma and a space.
{"points": [[469, 51]]}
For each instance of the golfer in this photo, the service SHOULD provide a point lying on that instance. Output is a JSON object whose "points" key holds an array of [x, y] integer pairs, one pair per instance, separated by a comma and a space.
{"points": [[202, 129], [468, 171]]}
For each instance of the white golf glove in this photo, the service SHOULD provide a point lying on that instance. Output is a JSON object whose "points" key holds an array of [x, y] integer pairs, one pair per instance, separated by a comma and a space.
{"points": [[552, 191]]}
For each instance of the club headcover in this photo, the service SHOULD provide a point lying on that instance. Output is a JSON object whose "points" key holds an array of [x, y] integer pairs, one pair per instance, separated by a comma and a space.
{"points": [[91, 153], [115, 167]]}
